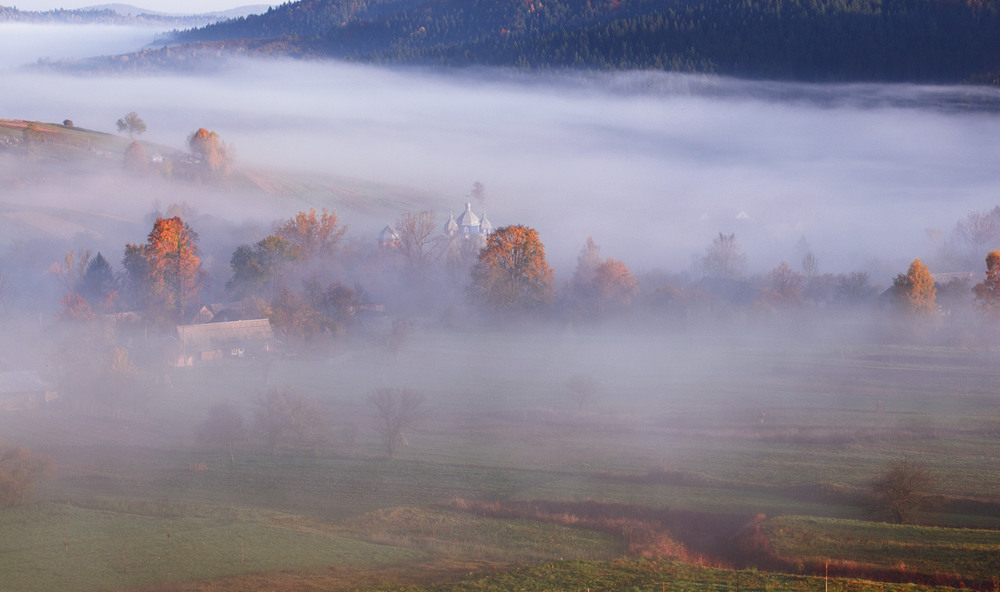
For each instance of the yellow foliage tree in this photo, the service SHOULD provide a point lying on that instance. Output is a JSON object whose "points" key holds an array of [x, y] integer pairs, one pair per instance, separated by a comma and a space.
{"points": [[988, 291], [914, 291]]}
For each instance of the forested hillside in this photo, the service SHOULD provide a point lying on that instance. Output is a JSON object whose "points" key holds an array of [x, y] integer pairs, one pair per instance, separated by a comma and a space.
{"points": [[821, 40]]}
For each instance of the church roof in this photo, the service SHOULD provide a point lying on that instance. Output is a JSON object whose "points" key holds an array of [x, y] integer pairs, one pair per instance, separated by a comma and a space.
{"points": [[468, 218], [484, 225], [451, 227]]}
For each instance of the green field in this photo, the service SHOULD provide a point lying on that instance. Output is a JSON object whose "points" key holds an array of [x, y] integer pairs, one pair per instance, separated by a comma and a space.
{"points": [[690, 440], [658, 576], [62, 547], [945, 553]]}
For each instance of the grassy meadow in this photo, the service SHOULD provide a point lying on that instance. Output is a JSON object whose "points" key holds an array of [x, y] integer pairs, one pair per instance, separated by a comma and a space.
{"points": [[509, 481]]}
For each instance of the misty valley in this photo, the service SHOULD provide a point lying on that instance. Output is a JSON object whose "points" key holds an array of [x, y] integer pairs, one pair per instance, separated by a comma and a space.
{"points": [[299, 324]]}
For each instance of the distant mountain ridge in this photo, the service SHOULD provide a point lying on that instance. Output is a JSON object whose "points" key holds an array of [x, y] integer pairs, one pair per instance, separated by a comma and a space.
{"points": [[941, 41], [126, 14], [128, 9]]}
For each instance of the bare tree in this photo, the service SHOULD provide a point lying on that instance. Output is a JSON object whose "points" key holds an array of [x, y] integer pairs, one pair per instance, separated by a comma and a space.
{"points": [[72, 269], [901, 490], [724, 258], [285, 417], [810, 264], [418, 240], [397, 410], [854, 287], [786, 287], [974, 235]]}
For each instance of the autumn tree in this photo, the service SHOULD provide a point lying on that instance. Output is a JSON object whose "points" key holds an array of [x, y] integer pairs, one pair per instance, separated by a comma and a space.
{"points": [[20, 471], [295, 318], [601, 285], [901, 490], [70, 273], [135, 157], [988, 291], [174, 275], [288, 418], [75, 308], [71, 269], [311, 235], [914, 291], [418, 240], [614, 287], [511, 272], [213, 153], [724, 258], [164, 275], [131, 124], [397, 409]]}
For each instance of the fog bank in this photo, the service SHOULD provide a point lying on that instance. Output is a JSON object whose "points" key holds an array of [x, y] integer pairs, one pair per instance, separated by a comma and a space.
{"points": [[652, 165]]}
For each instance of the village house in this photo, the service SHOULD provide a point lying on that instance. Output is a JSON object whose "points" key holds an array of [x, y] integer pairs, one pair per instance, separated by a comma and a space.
{"points": [[22, 390], [215, 342]]}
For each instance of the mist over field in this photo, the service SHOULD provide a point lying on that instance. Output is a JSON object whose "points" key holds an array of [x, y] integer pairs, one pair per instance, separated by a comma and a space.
{"points": [[652, 165], [367, 419]]}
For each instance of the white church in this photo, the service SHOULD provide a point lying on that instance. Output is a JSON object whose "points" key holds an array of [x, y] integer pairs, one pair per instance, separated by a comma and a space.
{"points": [[468, 226]]}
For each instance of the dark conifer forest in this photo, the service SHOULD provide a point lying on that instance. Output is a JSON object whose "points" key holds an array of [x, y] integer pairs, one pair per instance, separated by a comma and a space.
{"points": [[928, 41]]}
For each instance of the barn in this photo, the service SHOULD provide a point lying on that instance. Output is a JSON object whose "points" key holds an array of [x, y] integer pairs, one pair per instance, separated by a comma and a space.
{"points": [[215, 342]]}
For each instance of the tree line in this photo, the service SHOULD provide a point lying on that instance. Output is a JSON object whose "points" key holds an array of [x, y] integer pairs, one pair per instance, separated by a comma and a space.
{"points": [[311, 282], [815, 40]]}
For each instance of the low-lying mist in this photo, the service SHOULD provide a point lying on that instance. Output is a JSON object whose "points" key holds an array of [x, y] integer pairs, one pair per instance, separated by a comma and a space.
{"points": [[651, 164], [23, 43]]}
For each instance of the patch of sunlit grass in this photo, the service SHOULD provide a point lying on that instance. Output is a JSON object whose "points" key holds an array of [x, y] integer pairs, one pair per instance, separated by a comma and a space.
{"points": [[62, 547]]}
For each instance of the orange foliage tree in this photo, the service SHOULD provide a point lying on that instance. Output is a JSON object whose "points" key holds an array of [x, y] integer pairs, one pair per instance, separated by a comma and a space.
{"points": [[601, 285], [212, 151], [511, 272], [166, 270], [988, 291], [614, 285], [310, 234], [914, 291]]}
